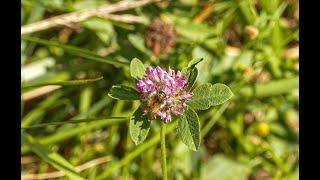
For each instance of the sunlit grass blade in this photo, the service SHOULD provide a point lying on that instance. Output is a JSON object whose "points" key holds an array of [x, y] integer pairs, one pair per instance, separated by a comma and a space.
{"points": [[248, 10], [76, 121], [63, 135], [37, 113], [75, 51], [50, 157], [271, 88], [64, 83]]}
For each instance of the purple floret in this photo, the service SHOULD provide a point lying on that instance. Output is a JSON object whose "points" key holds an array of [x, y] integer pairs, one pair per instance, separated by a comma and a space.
{"points": [[163, 93]]}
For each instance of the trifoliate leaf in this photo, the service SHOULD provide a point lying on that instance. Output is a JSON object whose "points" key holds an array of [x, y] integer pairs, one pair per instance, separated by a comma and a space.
{"points": [[137, 69], [121, 92], [139, 127], [189, 129]]}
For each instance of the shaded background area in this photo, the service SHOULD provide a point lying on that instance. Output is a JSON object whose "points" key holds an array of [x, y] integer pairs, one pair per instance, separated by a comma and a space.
{"points": [[250, 45]]}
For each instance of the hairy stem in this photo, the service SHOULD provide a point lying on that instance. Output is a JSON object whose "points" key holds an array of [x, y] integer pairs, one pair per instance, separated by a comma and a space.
{"points": [[163, 151]]}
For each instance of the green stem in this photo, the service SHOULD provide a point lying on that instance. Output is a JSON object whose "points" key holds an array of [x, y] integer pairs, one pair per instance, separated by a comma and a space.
{"points": [[163, 151]]}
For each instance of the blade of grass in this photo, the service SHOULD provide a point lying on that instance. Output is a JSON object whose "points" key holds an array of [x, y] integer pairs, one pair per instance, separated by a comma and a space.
{"points": [[56, 174], [271, 88], [76, 121], [75, 51], [95, 108], [40, 110], [63, 135], [51, 157], [248, 10], [90, 113], [85, 99], [48, 77], [217, 114], [64, 83]]}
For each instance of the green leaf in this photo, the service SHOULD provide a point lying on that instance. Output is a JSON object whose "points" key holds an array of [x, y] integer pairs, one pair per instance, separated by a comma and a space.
{"points": [[191, 71], [139, 127], [64, 83], [194, 62], [200, 99], [220, 93], [121, 92], [50, 157], [185, 71], [208, 95], [75, 51], [137, 69], [189, 129], [192, 77], [224, 168]]}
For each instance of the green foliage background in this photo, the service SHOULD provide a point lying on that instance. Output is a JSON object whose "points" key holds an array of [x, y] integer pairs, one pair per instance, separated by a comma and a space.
{"points": [[252, 136]]}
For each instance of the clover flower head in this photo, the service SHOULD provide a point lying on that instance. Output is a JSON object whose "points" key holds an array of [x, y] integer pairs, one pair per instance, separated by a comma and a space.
{"points": [[163, 93]]}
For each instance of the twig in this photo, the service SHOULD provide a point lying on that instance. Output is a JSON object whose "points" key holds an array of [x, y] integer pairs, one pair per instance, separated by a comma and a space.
{"points": [[126, 18], [57, 174], [39, 92], [208, 9], [27, 159], [75, 17]]}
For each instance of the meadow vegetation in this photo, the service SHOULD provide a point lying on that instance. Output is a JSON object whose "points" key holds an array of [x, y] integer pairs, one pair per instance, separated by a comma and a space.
{"points": [[72, 129]]}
